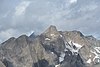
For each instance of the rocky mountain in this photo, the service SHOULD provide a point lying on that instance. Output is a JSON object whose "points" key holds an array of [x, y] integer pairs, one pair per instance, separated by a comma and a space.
{"points": [[52, 48]]}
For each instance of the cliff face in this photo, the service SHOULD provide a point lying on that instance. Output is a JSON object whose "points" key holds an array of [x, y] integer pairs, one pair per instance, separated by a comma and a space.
{"points": [[52, 48]]}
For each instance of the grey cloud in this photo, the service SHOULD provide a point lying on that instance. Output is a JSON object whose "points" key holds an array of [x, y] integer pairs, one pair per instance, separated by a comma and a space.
{"points": [[82, 15]]}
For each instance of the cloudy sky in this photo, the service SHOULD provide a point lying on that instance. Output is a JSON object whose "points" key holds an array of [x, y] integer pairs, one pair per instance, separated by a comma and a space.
{"points": [[24, 16]]}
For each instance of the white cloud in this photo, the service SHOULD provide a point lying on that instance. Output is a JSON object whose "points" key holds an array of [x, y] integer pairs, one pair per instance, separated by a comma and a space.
{"points": [[20, 9], [73, 1]]}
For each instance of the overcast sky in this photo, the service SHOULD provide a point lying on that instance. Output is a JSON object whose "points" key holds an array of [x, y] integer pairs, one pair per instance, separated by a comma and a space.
{"points": [[19, 17]]}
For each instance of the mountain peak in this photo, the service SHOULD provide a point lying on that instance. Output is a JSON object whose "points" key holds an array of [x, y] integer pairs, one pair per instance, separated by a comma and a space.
{"points": [[51, 32], [52, 28]]}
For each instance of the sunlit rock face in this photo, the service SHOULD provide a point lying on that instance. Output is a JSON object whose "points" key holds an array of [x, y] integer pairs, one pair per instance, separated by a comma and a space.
{"points": [[52, 48], [1, 64]]}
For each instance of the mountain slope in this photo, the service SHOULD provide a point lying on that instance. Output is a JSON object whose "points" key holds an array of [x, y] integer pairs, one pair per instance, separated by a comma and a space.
{"points": [[52, 48]]}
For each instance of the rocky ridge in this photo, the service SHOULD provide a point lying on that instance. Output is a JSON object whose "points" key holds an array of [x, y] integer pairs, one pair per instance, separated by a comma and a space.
{"points": [[52, 48]]}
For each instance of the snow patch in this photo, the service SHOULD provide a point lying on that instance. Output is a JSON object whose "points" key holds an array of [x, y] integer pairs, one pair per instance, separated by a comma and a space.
{"points": [[89, 61], [52, 52], [52, 35], [47, 38], [65, 49], [90, 56], [61, 36], [77, 45], [97, 56], [57, 65], [94, 53], [97, 49], [73, 47], [61, 58]]}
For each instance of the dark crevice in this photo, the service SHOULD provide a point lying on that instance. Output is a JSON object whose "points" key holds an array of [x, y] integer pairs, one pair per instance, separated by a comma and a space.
{"points": [[41, 63], [7, 63]]}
